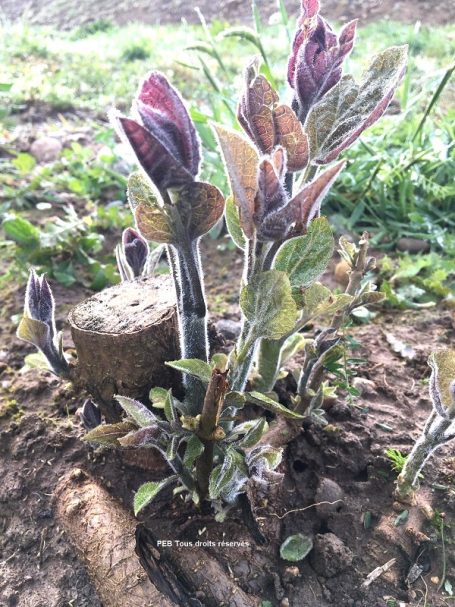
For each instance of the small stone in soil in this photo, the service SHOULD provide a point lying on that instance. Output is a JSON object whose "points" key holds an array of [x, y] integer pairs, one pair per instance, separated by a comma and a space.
{"points": [[229, 328], [46, 149]]}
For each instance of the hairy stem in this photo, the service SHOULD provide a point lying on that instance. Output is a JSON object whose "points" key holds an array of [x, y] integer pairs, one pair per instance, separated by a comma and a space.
{"points": [[434, 436], [192, 314]]}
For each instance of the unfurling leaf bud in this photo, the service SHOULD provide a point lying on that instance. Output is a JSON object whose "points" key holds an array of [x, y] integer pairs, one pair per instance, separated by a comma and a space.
{"points": [[315, 64], [162, 135], [270, 124], [39, 302], [38, 323], [132, 255]]}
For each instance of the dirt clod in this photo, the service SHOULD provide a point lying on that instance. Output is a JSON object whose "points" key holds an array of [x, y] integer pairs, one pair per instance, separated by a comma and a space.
{"points": [[330, 555]]}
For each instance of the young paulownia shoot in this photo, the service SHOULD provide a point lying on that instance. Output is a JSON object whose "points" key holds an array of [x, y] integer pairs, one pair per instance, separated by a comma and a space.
{"points": [[440, 426], [279, 169]]}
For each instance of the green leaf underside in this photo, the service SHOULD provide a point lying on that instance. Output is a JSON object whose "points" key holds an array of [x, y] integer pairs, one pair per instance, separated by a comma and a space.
{"points": [[348, 109], [268, 304], [192, 366], [319, 300], [136, 410], [151, 218], [267, 403], [232, 217], [306, 257], [296, 547]]}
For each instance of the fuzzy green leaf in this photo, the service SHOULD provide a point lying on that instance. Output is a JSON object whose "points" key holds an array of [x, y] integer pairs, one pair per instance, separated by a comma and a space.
{"points": [[169, 409], [192, 366], [235, 399], [109, 434], [296, 547], [319, 300], [158, 397], [306, 257], [268, 304], [264, 455], [137, 411], [348, 109], [271, 405], [148, 491], [172, 447], [194, 448], [221, 476], [232, 217], [254, 434]]}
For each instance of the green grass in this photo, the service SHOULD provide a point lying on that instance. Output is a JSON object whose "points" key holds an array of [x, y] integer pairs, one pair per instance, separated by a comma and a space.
{"points": [[100, 69], [396, 183]]}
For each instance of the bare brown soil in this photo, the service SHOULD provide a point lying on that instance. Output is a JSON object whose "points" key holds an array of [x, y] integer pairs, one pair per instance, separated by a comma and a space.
{"points": [[343, 463], [74, 13]]}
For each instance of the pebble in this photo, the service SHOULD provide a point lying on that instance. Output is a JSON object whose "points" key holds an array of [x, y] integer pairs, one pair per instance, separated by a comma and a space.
{"points": [[366, 387], [413, 245], [46, 149], [229, 328]]}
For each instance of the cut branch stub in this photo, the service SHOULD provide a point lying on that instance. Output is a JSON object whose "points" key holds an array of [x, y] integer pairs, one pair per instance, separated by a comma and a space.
{"points": [[103, 534], [123, 337]]}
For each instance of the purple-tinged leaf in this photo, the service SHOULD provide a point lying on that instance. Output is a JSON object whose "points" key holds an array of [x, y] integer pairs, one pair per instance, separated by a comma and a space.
{"points": [[141, 438], [160, 103], [271, 194], [136, 250], [348, 109], [290, 135], [137, 411], [306, 205], [269, 124], [200, 206], [90, 415], [301, 210], [109, 434], [163, 168]]}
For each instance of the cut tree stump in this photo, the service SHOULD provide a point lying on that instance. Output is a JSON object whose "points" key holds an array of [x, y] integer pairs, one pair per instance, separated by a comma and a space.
{"points": [[123, 337], [103, 534]]}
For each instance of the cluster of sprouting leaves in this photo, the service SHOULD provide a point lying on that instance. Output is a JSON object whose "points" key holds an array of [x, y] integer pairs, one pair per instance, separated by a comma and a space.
{"points": [[278, 177], [440, 425]]}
